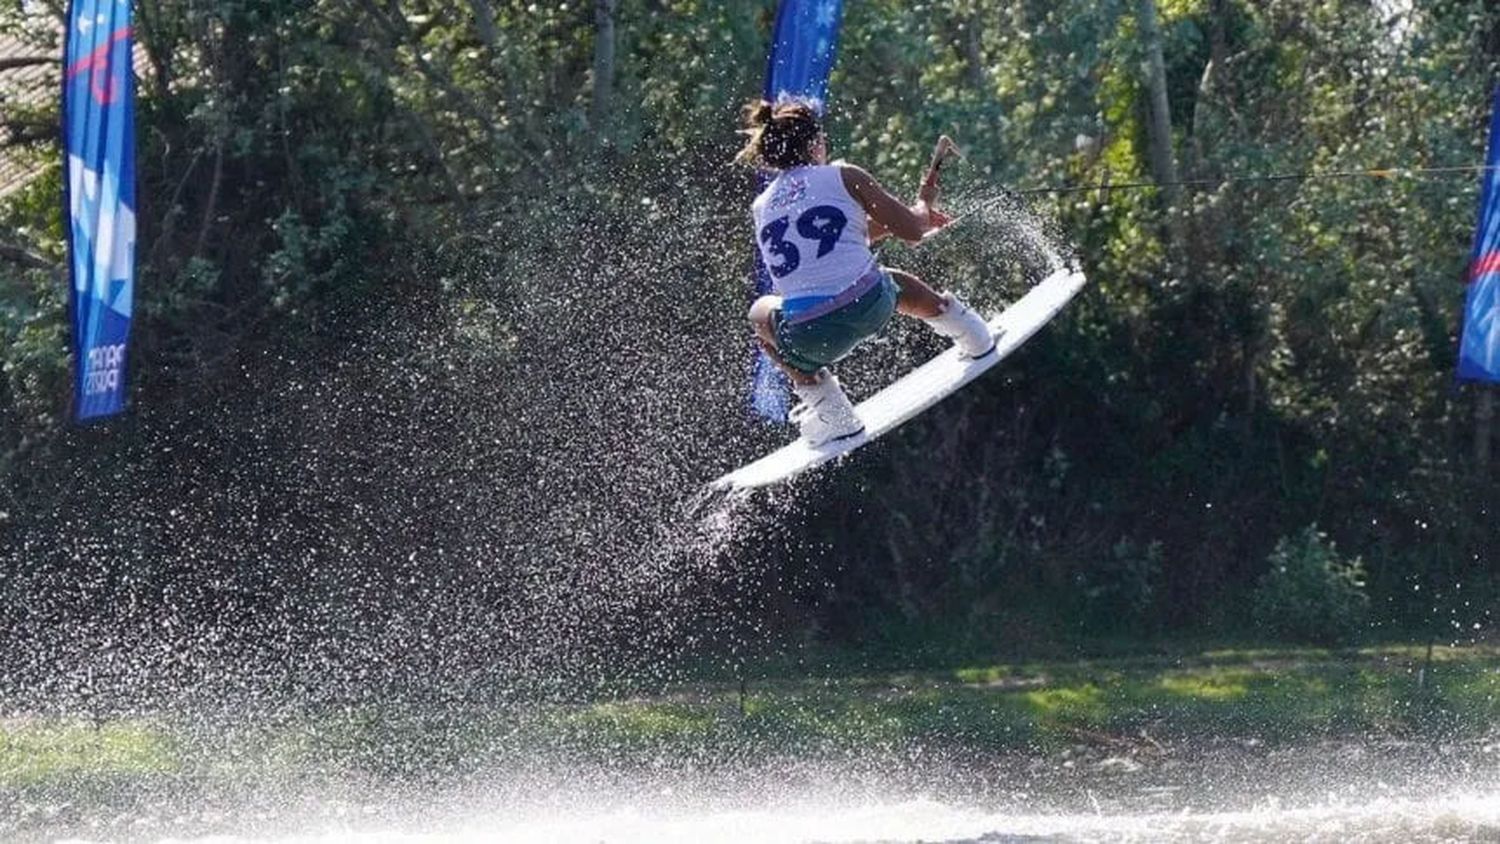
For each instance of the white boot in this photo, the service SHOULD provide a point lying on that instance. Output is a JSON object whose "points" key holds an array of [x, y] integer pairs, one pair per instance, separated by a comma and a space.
{"points": [[967, 329], [825, 412]]}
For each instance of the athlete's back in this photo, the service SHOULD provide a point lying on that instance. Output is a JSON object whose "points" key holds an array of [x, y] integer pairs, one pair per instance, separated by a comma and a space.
{"points": [[813, 235]]}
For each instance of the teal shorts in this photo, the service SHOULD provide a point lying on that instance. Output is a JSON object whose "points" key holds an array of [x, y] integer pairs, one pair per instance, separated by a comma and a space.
{"points": [[811, 344]]}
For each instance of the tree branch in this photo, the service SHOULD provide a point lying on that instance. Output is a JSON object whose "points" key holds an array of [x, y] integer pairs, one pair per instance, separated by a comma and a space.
{"points": [[26, 258], [604, 65], [395, 26], [212, 205], [14, 133], [15, 62]]}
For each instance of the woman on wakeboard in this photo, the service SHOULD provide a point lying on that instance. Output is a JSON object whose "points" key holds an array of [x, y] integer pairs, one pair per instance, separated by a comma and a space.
{"points": [[815, 223]]}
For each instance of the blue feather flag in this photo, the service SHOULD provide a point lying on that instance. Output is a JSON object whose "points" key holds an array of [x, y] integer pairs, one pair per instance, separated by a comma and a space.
{"points": [[1479, 342], [99, 195], [803, 49]]}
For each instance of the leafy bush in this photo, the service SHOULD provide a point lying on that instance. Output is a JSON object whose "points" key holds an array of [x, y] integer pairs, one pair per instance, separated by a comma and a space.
{"points": [[1310, 593], [1118, 592]]}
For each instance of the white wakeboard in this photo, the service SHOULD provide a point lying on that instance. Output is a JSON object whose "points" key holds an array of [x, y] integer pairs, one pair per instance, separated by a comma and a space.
{"points": [[920, 389]]}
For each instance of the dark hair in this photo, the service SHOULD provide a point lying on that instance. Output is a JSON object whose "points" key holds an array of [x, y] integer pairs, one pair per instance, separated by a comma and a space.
{"points": [[780, 137]]}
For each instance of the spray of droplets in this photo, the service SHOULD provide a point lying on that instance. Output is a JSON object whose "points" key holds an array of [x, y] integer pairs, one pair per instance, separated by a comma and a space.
{"points": [[493, 489], [493, 493]]}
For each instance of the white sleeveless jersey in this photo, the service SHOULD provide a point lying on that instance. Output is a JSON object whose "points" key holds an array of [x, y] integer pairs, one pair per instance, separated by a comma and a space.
{"points": [[813, 235]]}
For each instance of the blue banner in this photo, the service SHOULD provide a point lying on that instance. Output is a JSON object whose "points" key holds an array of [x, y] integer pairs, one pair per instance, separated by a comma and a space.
{"points": [[1479, 343], [803, 48], [99, 191]]}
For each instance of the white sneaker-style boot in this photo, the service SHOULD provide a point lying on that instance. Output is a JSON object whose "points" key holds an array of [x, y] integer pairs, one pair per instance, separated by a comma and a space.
{"points": [[967, 329], [825, 412]]}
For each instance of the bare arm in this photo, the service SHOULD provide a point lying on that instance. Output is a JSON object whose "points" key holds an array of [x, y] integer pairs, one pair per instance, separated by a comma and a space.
{"points": [[889, 215]]}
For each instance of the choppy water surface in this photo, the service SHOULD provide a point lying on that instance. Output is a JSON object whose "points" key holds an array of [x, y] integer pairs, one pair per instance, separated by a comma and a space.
{"points": [[1239, 792]]}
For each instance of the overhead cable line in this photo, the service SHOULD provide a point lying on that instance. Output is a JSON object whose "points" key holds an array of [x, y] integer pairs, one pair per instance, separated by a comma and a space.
{"points": [[1307, 175], [1302, 176]]}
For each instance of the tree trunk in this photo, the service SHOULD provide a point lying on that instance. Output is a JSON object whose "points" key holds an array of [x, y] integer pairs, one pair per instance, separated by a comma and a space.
{"points": [[484, 22], [157, 46], [973, 50], [1159, 121], [604, 65], [1209, 89]]}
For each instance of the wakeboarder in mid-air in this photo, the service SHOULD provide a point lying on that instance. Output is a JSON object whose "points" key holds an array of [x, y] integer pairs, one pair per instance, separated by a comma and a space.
{"points": [[815, 224]]}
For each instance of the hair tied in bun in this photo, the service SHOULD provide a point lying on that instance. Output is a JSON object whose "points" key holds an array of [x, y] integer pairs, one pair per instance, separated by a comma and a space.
{"points": [[778, 136]]}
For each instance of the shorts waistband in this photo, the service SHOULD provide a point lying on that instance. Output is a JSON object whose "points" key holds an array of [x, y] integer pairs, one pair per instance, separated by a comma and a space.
{"points": [[862, 285]]}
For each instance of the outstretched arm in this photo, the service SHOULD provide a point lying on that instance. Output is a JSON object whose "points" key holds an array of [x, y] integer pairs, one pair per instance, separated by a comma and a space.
{"points": [[889, 215]]}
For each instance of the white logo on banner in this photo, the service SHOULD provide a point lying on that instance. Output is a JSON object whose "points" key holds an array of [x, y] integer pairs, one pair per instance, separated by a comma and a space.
{"points": [[102, 374]]}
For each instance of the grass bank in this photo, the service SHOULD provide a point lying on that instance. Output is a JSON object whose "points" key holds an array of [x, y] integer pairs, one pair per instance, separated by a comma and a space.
{"points": [[1270, 694]]}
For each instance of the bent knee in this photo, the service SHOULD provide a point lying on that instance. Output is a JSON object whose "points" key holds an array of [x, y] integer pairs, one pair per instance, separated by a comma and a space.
{"points": [[764, 307], [903, 278]]}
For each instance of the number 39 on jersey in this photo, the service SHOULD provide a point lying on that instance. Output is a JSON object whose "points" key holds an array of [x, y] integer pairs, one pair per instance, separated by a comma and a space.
{"points": [[821, 225]]}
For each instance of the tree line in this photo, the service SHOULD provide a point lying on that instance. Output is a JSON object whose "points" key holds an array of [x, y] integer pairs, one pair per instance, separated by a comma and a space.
{"points": [[1257, 367]]}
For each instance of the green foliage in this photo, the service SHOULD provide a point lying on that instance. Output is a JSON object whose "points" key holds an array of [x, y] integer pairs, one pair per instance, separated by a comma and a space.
{"points": [[34, 356], [1118, 592], [41, 753], [1311, 593], [1262, 354], [1278, 695]]}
